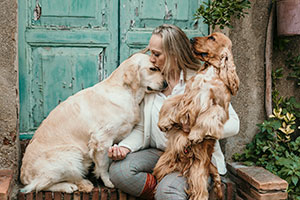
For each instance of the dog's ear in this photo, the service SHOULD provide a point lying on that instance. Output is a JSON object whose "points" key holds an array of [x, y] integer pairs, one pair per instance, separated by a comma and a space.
{"points": [[228, 71], [132, 76], [212, 59]]}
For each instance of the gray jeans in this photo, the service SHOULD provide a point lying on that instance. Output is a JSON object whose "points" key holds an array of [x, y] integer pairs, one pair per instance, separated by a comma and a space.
{"points": [[129, 175]]}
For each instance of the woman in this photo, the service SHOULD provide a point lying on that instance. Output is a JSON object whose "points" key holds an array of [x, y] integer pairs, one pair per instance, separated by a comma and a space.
{"points": [[136, 156]]}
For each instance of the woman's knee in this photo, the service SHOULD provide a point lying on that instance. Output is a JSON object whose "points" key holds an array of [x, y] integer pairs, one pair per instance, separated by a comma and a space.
{"points": [[171, 186], [125, 178], [118, 172]]}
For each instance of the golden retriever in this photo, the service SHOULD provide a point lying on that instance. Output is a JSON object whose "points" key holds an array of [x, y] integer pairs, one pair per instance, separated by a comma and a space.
{"points": [[194, 120], [80, 130]]}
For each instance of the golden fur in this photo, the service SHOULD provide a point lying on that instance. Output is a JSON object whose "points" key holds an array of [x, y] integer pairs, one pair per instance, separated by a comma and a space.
{"points": [[80, 130], [203, 108]]}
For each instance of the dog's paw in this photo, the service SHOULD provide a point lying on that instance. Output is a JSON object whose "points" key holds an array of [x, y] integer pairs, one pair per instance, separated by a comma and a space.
{"points": [[194, 138], [85, 186], [165, 125], [165, 128], [64, 187], [108, 183], [71, 188]]}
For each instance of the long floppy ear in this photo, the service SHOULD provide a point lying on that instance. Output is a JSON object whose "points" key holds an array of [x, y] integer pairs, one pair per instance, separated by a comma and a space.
{"points": [[228, 71], [132, 76], [212, 59]]}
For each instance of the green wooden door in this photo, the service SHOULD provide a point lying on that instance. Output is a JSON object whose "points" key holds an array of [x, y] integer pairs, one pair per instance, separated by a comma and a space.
{"points": [[68, 45], [140, 17]]}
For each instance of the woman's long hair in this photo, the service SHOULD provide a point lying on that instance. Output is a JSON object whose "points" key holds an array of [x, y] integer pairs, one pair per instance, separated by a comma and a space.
{"points": [[178, 51]]}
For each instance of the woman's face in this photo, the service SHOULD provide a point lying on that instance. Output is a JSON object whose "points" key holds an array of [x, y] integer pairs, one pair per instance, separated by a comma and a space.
{"points": [[157, 56]]}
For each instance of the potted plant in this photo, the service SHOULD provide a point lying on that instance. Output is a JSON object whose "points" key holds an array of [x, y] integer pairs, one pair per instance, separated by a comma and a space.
{"points": [[288, 17]]}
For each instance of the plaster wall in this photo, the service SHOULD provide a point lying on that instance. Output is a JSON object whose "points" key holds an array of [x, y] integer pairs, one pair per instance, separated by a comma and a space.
{"points": [[8, 85], [248, 44], [9, 142]]}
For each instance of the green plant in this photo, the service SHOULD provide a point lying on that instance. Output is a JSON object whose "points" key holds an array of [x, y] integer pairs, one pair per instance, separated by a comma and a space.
{"points": [[280, 43], [220, 12], [277, 145], [293, 63]]}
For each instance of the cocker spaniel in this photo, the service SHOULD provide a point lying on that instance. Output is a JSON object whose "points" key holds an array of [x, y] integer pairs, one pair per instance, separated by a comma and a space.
{"points": [[194, 120], [80, 130]]}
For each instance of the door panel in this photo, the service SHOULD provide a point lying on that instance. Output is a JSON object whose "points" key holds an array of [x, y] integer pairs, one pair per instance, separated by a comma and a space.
{"points": [[140, 17], [69, 13], [64, 46], [58, 73]]}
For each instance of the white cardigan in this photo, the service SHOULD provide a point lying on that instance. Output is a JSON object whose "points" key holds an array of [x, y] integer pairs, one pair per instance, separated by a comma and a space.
{"points": [[139, 138]]}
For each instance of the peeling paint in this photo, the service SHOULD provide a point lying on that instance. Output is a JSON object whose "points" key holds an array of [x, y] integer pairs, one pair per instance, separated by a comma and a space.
{"points": [[37, 11], [101, 66], [195, 25], [132, 23], [168, 13]]}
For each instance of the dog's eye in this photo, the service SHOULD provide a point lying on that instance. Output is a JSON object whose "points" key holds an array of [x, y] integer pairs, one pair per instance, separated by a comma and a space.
{"points": [[197, 53], [203, 54], [211, 38], [154, 69]]}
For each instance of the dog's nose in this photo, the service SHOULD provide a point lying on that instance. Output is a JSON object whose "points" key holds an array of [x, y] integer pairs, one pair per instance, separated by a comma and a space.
{"points": [[192, 40], [165, 84]]}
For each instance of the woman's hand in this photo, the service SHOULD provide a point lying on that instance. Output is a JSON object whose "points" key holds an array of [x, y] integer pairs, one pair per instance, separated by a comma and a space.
{"points": [[118, 152]]}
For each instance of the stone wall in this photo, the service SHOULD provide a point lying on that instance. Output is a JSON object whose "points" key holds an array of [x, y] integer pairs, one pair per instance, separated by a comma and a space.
{"points": [[9, 142], [248, 44], [9, 149]]}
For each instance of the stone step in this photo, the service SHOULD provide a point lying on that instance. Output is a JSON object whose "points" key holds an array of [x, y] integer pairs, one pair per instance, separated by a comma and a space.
{"points": [[6, 179], [257, 183]]}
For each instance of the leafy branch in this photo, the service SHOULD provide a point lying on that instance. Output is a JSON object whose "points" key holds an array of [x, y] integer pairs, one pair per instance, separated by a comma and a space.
{"points": [[220, 12]]}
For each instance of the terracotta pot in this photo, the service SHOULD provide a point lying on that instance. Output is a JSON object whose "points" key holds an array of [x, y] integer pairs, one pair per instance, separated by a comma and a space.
{"points": [[288, 17]]}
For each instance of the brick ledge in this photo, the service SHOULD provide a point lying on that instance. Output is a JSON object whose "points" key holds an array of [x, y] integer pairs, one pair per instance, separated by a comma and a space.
{"points": [[6, 179]]}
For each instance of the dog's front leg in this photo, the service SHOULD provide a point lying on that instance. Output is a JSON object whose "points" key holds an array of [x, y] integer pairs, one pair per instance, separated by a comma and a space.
{"points": [[98, 152], [168, 113], [209, 124]]}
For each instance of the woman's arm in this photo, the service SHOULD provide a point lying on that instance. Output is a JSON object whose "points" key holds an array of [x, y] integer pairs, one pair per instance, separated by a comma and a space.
{"points": [[135, 140], [232, 125]]}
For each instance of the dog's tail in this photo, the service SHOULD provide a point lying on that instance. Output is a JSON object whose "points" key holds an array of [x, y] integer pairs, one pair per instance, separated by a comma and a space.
{"points": [[37, 184]]}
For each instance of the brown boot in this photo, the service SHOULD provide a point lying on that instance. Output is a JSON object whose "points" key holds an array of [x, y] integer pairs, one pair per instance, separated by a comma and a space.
{"points": [[148, 191]]}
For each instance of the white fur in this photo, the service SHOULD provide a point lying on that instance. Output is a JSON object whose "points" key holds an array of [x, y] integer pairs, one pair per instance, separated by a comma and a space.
{"points": [[80, 130]]}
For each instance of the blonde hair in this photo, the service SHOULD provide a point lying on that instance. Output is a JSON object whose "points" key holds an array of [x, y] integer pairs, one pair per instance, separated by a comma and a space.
{"points": [[177, 48]]}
